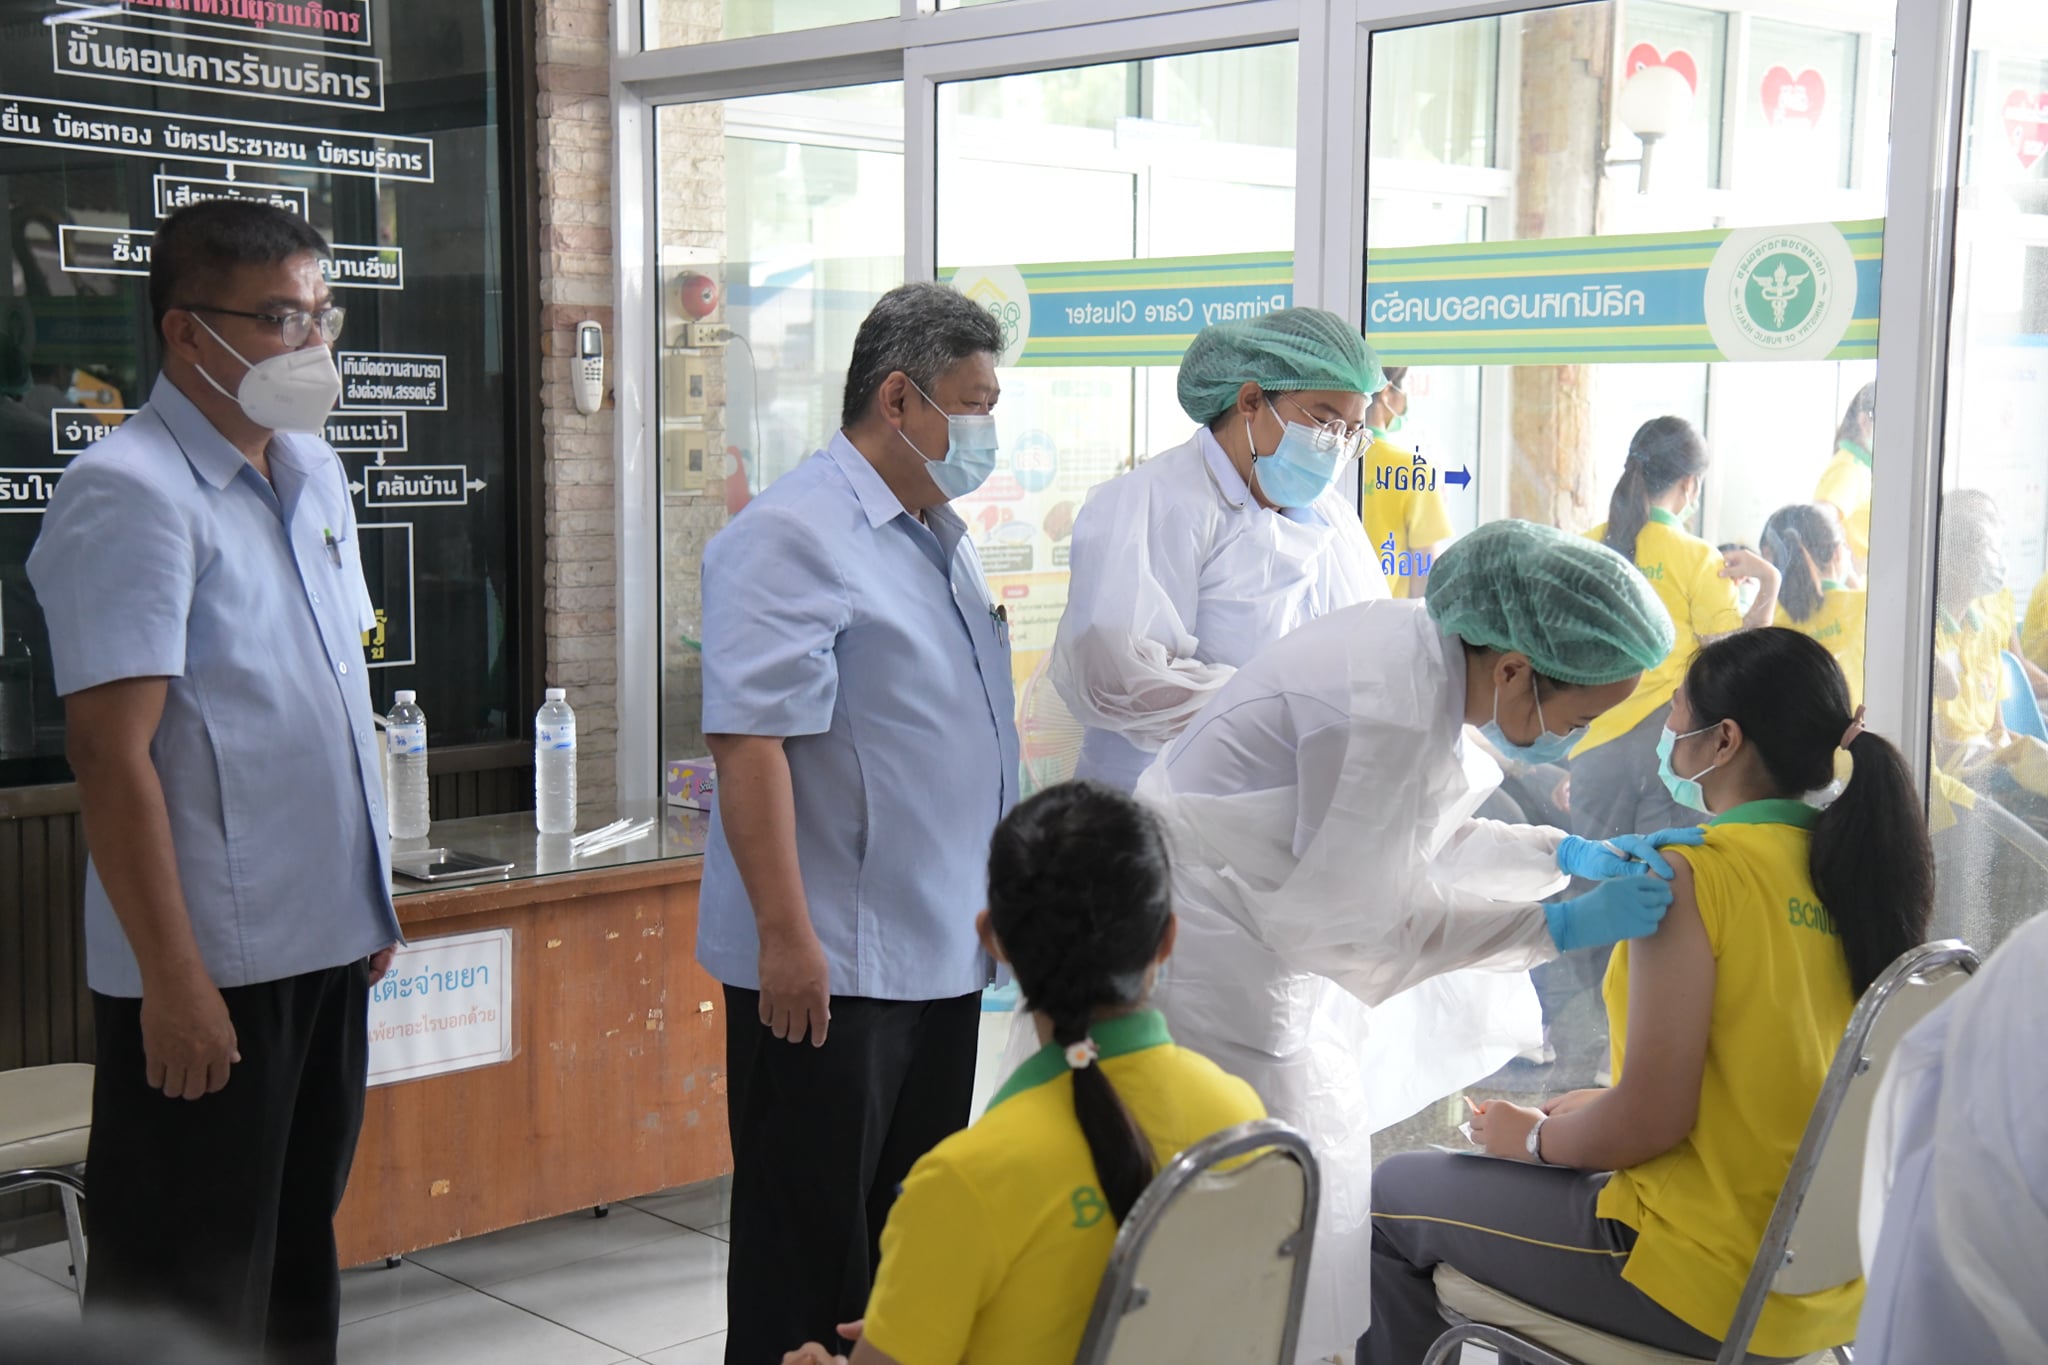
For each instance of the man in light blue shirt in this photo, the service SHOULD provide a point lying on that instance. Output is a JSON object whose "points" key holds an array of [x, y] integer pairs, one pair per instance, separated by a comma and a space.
{"points": [[857, 700], [198, 570]]}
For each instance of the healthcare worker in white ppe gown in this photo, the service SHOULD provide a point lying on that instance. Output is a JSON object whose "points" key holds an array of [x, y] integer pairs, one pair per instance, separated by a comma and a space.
{"points": [[1329, 870], [1193, 562]]}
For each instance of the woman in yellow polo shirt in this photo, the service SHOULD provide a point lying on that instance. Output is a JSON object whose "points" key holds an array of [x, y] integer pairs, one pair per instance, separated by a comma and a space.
{"points": [[1806, 544], [1407, 523], [1614, 787], [1642, 1206], [1845, 483], [994, 1249]]}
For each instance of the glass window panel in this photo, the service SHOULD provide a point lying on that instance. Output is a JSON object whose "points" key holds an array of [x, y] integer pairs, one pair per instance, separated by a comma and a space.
{"points": [[674, 23], [1800, 107], [1178, 156], [1547, 439], [1436, 104], [76, 333], [1693, 42], [1989, 806], [781, 222]]}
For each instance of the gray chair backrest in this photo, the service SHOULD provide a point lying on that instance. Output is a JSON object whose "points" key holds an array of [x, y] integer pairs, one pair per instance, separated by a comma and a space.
{"points": [[1810, 1243], [1212, 1263]]}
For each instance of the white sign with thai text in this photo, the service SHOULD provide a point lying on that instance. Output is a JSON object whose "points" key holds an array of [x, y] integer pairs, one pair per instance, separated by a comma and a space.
{"points": [[445, 1005]]}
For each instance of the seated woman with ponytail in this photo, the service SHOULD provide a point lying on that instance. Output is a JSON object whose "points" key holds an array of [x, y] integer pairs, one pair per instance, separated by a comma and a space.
{"points": [[993, 1251], [1640, 1207]]}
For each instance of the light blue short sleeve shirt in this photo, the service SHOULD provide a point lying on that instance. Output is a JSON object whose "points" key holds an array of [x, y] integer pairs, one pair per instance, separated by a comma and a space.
{"points": [[165, 554], [866, 640]]}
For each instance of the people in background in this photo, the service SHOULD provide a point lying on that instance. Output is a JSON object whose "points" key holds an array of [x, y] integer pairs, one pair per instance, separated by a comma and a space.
{"points": [[1328, 869], [857, 702], [1845, 483], [1805, 542], [1189, 565], [1637, 1210], [994, 1250], [199, 572], [1614, 787], [1614, 769], [1956, 1266], [1974, 616], [1405, 520]]}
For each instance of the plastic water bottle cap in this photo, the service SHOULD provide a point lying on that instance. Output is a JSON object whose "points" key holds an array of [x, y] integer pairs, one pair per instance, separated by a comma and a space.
{"points": [[403, 698], [555, 694]]}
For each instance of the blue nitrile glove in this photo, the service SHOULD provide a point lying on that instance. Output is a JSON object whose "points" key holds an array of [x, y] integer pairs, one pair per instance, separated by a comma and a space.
{"points": [[1626, 907], [1624, 855]]}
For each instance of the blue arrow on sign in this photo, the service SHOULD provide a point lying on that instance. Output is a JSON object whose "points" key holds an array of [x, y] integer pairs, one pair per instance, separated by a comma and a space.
{"points": [[1461, 478]]}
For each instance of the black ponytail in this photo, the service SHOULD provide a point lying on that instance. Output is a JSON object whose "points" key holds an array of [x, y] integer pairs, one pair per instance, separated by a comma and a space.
{"points": [[1663, 451], [1859, 420], [1799, 539], [1080, 896], [1870, 859]]}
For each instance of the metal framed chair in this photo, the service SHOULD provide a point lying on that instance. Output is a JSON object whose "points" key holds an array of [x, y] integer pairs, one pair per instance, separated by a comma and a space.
{"points": [[45, 1122], [1212, 1264], [1810, 1242], [2020, 711]]}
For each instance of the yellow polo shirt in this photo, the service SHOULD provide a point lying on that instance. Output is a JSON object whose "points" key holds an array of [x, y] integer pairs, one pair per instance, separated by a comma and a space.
{"points": [[1971, 646], [2034, 634], [1781, 1001], [1685, 571], [1846, 483], [996, 1245], [1400, 521], [1838, 625]]}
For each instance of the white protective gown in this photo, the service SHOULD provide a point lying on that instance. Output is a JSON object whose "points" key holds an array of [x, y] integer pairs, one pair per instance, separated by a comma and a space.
{"points": [[1955, 1207], [1331, 884], [1179, 578]]}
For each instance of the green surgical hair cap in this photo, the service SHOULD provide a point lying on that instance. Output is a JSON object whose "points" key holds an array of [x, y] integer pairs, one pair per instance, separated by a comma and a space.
{"points": [[1583, 614], [1283, 352]]}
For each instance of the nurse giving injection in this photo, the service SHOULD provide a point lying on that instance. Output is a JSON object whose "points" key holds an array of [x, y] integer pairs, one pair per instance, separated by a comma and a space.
{"points": [[1352, 937]]}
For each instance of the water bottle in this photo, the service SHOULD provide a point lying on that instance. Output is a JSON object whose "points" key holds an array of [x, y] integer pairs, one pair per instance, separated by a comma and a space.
{"points": [[405, 738], [554, 765]]}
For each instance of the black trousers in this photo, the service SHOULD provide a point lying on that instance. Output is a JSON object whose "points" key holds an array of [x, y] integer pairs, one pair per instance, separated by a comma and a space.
{"points": [[822, 1138], [221, 1210]]}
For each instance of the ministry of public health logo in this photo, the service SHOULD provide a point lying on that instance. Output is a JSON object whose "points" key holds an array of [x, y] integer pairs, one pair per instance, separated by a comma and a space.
{"points": [[1781, 293], [1002, 291]]}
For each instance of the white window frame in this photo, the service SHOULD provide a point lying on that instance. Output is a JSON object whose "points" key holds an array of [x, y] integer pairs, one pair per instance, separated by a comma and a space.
{"points": [[923, 48]]}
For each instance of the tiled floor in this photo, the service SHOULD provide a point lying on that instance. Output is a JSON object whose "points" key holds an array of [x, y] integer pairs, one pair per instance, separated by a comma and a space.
{"points": [[645, 1283]]}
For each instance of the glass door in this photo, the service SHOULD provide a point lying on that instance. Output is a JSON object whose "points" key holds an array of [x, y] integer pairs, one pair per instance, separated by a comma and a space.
{"points": [[1646, 228]]}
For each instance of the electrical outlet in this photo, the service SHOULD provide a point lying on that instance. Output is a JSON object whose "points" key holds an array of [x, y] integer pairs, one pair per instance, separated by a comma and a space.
{"points": [[702, 335]]}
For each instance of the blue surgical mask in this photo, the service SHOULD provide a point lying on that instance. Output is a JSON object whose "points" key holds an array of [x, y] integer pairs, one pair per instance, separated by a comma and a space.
{"points": [[970, 451], [1547, 748], [1686, 791], [1296, 473]]}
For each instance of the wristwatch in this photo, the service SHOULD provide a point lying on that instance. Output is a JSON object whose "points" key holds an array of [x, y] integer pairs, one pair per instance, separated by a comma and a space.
{"points": [[1534, 1145]]}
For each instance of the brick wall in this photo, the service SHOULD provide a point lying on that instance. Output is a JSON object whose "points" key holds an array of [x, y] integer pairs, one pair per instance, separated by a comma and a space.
{"points": [[577, 284], [574, 148]]}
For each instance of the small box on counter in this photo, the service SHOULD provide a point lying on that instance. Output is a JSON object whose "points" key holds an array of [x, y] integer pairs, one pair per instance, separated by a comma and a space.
{"points": [[692, 782]]}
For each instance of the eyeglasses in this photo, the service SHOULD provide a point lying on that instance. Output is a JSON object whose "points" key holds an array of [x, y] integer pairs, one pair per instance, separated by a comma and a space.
{"points": [[1333, 434], [292, 328]]}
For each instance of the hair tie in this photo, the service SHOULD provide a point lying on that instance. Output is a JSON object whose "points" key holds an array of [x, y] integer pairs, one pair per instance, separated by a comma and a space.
{"points": [[1855, 728], [1082, 1055]]}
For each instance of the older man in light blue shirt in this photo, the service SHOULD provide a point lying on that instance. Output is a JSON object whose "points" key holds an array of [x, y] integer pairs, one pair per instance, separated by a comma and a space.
{"points": [[857, 698], [198, 570]]}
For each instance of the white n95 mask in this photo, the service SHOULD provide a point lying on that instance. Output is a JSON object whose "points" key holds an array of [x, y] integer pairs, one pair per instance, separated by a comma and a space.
{"points": [[290, 392]]}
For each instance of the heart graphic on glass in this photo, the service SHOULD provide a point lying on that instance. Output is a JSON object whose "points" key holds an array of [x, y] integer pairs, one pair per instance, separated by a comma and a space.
{"points": [[1678, 59], [1789, 98], [2026, 124]]}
